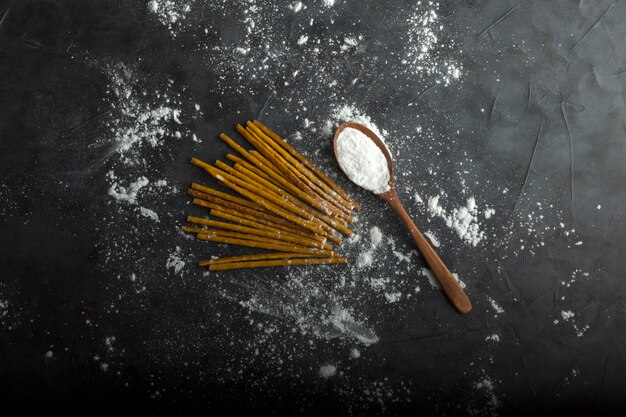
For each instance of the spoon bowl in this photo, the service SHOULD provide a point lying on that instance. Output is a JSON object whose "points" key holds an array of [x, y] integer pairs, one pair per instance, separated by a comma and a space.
{"points": [[448, 282]]}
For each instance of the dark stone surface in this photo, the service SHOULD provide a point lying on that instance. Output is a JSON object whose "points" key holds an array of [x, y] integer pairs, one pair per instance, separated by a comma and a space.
{"points": [[539, 110]]}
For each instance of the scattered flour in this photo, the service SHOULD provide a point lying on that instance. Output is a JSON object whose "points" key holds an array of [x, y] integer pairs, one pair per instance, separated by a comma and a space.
{"points": [[431, 278], [566, 314], [367, 257], [297, 6], [135, 122], [495, 306], [170, 12], [494, 338], [326, 371], [393, 297], [348, 113], [342, 320], [422, 45], [463, 220], [128, 194], [175, 261], [311, 309], [350, 42], [150, 214], [433, 239], [461, 283], [486, 385]]}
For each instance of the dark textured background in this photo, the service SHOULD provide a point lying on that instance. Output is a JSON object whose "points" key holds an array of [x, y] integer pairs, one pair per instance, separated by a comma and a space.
{"points": [[549, 78]]}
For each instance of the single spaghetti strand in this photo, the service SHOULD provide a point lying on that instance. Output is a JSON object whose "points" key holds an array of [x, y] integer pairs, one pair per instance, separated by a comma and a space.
{"points": [[256, 257], [279, 262], [263, 245], [234, 235]]}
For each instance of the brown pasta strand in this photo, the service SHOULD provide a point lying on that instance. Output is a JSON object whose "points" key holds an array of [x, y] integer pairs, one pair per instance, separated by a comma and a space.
{"points": [[236, 235], [262, 245], [256, 257], [279, 262]]}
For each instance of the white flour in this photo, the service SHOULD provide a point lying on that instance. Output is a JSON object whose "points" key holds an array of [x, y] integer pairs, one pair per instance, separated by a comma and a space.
{"points": [[495, 306], [366, 257], [493, 338], [362, 161], [170, 12], [486, 385], [422, 45], [463, 220], [393, 297], [128, 194], [326, 371], [175, 261], [350, 113], [135, 119], [297, 6], [433, 239], [150, 214]]}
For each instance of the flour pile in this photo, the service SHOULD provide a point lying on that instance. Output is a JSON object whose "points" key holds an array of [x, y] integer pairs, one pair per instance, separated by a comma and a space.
{"points": [[362, 161]]}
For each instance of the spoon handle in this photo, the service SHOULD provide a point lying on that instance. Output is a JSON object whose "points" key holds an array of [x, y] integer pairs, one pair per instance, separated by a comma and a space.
{"points": [[448, 283]]}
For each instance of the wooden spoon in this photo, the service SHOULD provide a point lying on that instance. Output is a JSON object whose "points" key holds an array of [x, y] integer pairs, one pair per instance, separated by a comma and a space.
{"points": [[448, 283]]}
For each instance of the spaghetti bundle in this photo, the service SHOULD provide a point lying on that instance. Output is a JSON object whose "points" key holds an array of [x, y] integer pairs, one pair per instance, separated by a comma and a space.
{"points": [[283, 204]]}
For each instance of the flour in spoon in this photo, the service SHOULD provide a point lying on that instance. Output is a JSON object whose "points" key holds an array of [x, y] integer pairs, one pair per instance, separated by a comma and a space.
{"points": [[362, 161]]}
